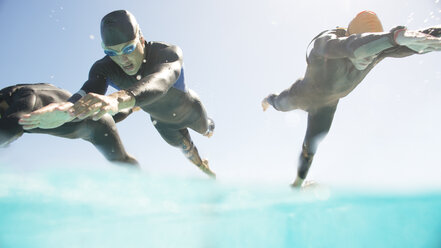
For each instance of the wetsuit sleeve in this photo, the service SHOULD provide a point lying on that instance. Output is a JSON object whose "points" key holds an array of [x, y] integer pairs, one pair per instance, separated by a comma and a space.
{"points": [[355, 46], [398, 52], [96, 83], [404, 51], [164, 74]]}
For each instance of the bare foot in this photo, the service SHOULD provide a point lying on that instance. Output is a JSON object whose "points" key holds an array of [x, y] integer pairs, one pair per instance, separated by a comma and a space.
{"points": [[265, 104], [204, 167], [297, 183]]}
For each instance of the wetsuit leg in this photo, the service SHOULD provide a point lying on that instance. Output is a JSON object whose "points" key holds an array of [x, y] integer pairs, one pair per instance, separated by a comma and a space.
{"points": [[102, 134], [203, 124], [11, 112], [10, 132], [319, 123], [181, 139]]}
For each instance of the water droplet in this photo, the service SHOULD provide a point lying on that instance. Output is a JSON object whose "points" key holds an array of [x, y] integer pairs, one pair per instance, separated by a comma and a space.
{"points": [[144, 61], [138, 77], [174, 114], [92, 37], [166, 61], [154, 122], [106, 134]]}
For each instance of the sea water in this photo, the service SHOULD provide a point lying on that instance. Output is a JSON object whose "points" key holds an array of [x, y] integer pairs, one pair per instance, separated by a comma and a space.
{"points": [[124, 208]]}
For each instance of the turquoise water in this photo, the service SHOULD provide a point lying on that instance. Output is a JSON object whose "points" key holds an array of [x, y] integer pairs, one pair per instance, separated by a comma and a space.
{"points": [[119, 208]]}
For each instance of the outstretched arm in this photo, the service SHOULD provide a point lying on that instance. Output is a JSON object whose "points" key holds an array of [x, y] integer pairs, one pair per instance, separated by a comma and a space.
{"points": [[48, 117], [333, 45], [421, 41], [146, 91], [361, 49], [56, 114]]}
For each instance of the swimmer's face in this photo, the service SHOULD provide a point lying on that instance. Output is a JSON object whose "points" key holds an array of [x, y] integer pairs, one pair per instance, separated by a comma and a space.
{"points": [[362, 64], [129, 63]]}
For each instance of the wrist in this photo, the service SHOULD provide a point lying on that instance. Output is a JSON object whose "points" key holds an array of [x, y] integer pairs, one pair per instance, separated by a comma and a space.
{"points": [[396, 32], [124, 98]]}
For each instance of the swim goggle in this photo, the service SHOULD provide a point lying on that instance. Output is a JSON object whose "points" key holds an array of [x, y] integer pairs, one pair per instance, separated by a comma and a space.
{"points": [[126, 50]]}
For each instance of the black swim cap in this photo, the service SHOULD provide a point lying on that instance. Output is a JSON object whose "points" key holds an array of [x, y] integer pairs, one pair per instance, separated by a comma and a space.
{"points": [[118, 27]]}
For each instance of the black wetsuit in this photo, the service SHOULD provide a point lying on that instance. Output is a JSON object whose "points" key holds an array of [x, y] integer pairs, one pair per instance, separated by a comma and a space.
{"points": [[330, 75], [159, 89], [25, 98]]}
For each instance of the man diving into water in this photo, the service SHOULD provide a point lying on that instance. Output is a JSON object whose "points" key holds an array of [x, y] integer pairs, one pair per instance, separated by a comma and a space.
{"points": [[147, 74], [21, 99], [339, 60]]}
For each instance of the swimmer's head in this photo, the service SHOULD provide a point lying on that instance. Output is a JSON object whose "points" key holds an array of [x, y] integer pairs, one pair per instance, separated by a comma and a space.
{"points": [[365, 22], [118, 27], [122, 40]]}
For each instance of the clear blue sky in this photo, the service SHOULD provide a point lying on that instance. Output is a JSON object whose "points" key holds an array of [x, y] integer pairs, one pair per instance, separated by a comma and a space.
{"points": [[236, 53]]}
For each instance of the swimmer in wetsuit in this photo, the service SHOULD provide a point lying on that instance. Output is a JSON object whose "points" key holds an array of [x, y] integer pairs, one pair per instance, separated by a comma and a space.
{"points": [[21, 99], [339, 60], [149, 75]]}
